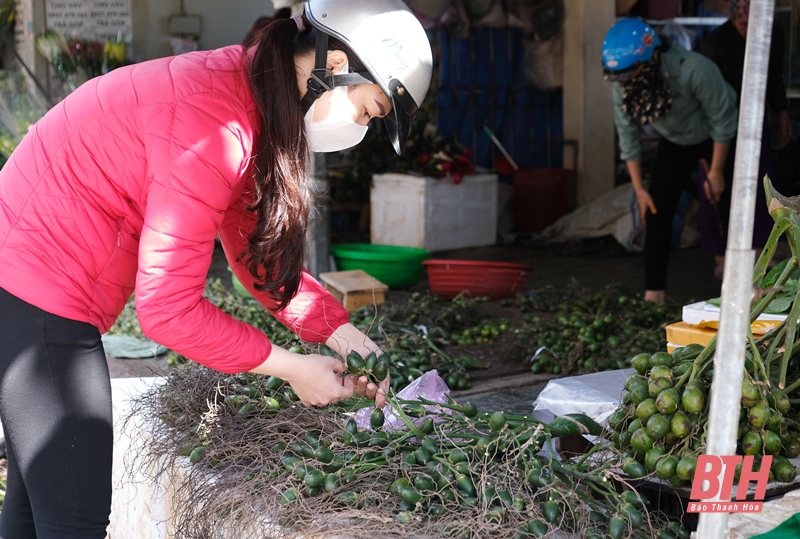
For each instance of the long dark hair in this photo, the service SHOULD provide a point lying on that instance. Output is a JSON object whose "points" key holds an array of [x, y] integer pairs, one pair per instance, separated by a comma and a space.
{"points": [[276, 249]]}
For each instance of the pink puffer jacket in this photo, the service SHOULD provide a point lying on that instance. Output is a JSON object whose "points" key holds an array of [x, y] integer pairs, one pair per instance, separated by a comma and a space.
{"points": [[125, 185]]}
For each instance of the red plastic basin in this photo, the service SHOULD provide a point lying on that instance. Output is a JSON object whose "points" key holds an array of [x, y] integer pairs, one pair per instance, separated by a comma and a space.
{"points": [[476, 278]]}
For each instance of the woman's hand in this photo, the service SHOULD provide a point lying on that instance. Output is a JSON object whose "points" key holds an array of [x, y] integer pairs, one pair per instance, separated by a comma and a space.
{"points": [[645, 203], [316, 379], [642, 195], [783, 127]]}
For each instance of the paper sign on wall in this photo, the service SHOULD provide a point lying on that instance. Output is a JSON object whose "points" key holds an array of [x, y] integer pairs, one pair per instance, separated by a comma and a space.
{"points": [[97, 19]]}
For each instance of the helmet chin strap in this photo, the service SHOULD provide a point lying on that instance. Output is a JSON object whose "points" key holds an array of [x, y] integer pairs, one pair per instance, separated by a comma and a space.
{"points": [[323, 80]]}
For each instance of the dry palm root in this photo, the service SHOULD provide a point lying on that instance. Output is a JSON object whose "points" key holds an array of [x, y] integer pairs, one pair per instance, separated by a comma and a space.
{"points": [[258, 464]]}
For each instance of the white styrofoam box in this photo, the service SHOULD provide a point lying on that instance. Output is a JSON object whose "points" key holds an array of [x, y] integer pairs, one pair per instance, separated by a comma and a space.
{"points": [[703, 314], [433, 214]]}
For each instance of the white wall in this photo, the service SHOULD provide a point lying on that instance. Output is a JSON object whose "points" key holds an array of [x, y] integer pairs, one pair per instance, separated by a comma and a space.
{"points": [[224, 22], [150, 30]]}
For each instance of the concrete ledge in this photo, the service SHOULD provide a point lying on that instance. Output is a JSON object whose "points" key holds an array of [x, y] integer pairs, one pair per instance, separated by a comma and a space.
{"points": [[139, 507]]}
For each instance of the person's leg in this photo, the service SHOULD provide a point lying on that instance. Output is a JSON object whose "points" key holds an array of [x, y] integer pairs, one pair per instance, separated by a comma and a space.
{"points": [[671, 169], [762, 220], [16, 519], [55, 401]]}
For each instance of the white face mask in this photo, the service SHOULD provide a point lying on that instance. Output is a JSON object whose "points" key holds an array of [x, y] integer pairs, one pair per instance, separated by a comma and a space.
{"points": [[337, 131]]}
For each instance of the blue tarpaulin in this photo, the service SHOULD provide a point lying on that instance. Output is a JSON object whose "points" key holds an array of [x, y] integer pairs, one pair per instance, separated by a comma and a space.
{"points": [[482, 81]]}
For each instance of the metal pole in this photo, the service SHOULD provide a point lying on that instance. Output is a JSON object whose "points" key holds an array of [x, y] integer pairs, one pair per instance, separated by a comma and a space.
{"points": [[319, 229], [737, 287]]}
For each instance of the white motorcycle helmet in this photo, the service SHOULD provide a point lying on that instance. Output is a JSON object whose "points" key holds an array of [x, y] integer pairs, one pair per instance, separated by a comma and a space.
{"points": [[392, 44]]}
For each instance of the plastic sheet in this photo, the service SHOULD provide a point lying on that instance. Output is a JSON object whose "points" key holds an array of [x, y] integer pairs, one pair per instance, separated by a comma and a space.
{"points": [[616, 213], [596, 395], [677, 34], [429, 386], [544, 65], [131, 347]]}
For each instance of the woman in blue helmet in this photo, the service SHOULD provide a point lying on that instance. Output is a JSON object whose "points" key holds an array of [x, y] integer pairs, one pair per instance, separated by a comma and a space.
{"points": [[683, 96]]}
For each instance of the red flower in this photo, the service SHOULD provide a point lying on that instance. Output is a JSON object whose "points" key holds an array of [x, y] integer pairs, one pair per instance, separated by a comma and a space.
{"points": [[445, 166], [424, 158], [457, 177]]}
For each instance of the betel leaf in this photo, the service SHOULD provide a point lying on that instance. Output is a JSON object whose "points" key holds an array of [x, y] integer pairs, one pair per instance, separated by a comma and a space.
{"points": [[782, 302], [779, 305], [791, 284], [772, 275]]}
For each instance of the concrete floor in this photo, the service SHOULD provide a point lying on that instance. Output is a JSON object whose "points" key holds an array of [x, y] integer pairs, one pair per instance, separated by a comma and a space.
{"points": [[600, 263], [593, 264]]}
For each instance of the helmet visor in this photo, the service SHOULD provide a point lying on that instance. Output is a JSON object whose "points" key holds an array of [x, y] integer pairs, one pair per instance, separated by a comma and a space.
{"points": [[622, 75], [398, 121]]}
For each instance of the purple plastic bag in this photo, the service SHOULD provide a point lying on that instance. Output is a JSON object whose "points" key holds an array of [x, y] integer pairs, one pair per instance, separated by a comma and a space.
{"points": [[429, 386]]}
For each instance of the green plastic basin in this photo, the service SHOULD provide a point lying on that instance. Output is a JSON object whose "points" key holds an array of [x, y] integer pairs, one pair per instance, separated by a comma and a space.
{"points": [[396, 267], [238, 287]]}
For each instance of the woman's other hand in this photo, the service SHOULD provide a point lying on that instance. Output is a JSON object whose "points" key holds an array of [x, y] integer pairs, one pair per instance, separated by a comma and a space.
{"points": [[645, 203], [368, 389], [347, 338], [714, 185]]}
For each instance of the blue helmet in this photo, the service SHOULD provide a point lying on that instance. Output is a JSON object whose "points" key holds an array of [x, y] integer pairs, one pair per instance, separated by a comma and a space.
{"points": [[629, 42]]}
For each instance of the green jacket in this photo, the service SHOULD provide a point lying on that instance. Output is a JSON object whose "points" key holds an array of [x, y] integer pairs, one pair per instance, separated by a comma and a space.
{"points": [[703, 105]]}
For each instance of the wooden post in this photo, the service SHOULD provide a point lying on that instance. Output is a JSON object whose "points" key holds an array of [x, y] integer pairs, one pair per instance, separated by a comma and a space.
{"points": [[587, 97]]}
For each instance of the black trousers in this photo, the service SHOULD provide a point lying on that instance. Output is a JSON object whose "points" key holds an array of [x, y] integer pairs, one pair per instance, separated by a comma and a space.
{"points": [[671, 173], [55, 403]]}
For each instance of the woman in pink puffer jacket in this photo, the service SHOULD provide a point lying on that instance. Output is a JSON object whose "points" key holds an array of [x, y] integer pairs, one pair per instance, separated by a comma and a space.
{"points": [[122, 189]]}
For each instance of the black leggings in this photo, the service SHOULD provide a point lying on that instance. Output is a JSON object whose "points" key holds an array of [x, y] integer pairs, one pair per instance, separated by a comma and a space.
{"points": [[672, 169], [55, 403]]}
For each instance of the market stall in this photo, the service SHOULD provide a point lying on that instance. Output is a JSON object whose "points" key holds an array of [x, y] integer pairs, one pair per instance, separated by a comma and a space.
{"points": [[200, 453]]}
